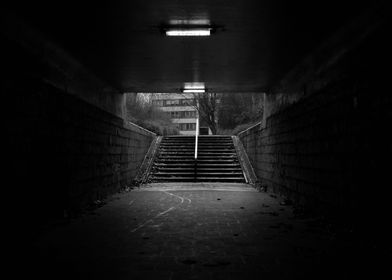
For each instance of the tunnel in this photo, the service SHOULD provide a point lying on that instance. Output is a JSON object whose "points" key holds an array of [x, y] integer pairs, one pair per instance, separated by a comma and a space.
{"points": [[322, 148]]}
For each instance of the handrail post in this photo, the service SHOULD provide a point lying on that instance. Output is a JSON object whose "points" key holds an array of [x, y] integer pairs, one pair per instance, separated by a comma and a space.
{"points": [[196, 146]]}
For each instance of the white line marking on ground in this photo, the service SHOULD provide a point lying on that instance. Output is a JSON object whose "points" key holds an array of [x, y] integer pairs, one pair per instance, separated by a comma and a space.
{"points": [[180, 197], [150, 220], [162, 213]]}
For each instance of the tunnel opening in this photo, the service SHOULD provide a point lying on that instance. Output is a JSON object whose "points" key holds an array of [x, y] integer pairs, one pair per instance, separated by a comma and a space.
{"points": [[206, 149]]}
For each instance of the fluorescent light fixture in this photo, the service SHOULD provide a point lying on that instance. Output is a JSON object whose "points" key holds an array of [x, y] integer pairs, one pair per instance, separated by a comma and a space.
{"points": [[194, 27], [189, 32], [194, 90]]}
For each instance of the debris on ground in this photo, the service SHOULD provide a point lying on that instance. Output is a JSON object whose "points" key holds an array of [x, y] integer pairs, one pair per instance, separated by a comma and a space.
{"points": [[286, 202], [95, 204]]}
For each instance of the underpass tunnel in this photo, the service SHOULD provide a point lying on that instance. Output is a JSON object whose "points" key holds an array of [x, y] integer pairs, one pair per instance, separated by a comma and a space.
{"points": [[324, 141]]}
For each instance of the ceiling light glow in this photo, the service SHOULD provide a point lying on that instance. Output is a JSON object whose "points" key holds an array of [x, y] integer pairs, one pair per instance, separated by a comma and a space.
{"points": [[194, 85], [189, 22], [189, 32]]}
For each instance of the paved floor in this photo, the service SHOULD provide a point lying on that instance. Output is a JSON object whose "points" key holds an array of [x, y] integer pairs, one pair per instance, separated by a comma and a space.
{"points": [[192, 231]]}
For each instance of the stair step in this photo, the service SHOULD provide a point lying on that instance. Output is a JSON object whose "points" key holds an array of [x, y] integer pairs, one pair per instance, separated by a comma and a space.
{"points": [[170, 145], [200, 148], [201, 139], [201, 174], [198, 156], [227, 152], [199, 160], [203, 152], [185, 170], [199, 165], [209, 138], [199, 179], [198, 152]]}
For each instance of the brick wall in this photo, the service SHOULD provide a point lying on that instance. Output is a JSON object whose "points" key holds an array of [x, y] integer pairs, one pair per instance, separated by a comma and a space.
{"points": [[322, 149], [329, 150], [61, 152], [68, 152]]}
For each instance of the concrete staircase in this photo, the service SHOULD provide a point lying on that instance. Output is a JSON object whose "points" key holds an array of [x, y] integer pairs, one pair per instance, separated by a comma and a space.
{"points": [[217, 160]]}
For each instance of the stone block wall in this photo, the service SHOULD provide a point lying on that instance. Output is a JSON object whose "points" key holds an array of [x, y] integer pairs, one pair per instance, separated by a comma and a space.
{"points": [[67, 152], [326, 150], [326, 143]]}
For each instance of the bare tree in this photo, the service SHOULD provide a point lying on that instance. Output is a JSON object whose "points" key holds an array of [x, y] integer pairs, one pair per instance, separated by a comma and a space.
{"points": [[242, 110], [208, 104]]}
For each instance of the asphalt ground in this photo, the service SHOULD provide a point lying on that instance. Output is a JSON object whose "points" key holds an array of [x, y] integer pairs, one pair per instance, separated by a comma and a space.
{"points": [[194, 231]]}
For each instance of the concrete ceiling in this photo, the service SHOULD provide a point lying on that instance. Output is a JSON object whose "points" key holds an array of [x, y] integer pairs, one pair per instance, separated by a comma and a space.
{"points": [[121, 43]]}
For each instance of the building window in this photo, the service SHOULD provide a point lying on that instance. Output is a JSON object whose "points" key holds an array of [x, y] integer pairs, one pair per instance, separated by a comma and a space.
{"points": [[188, 126], [182, 114], [189, 114], [158, 102], [172, 102], [187, 102]]}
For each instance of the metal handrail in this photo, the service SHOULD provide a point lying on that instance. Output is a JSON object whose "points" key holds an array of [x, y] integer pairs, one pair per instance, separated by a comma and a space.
{"points": [[196, 146], [197, 137]]}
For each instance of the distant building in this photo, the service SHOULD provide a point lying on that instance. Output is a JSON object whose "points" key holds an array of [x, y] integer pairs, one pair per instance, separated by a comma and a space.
{"points": [[180, 108]]}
